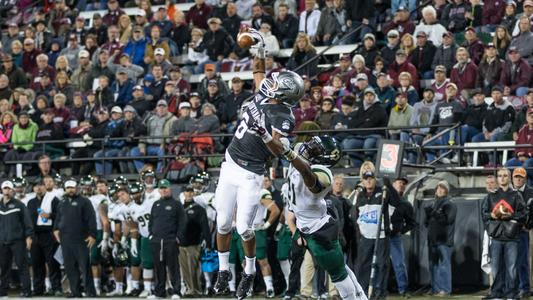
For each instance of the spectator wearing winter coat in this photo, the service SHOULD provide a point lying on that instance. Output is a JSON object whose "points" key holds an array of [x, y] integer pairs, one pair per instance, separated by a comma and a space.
{"points": [[184, 124], [72, 51], [229, 111], [445, 53], [516, 74], [271, 42], [453, 16], [133, 128], [386, 93], [122, 88], [309, 19], [49, 131], [198, 14], [61, 112], [474, 116], [113, 14], [401, 64], [259, 17], [388, 52], [98, 69], [136, 47], [400, 116], [473, 45], [344, 118], [524, 156], [112, 148], [524, 40], [305, 112], [369, 114], [422, 56], [23, 137], [231, 21], [286, 27], [498, 119], [104, 94], [422, 115], [401, 22], [464, 73], [80, 74], [407, 88], [29, 56], [302, 52], [359, 13], [133, 71], [489, 70], [216, 41], [17, 77], [493, 11], [329, 27], [369, 50], [430, 25], [210, 74], [325, 116], [344, 69], [208, 122]]}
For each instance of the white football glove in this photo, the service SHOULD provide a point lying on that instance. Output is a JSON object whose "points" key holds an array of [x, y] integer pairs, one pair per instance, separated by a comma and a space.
{"points": [[114, 253], [266, 225], [105, 243], [258, 49], [124, 242], [133, 249]]}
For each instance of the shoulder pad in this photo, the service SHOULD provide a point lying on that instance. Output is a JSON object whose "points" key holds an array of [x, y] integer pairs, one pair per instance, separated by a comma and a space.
{"points": [[265, 194], [324, 175]]}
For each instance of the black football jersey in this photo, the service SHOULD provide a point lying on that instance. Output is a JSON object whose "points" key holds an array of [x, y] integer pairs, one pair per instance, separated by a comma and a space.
{"points": [[246, 148]]}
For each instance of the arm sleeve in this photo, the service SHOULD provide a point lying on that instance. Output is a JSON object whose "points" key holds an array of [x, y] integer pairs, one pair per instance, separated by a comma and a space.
{"points": [[28, 225]]}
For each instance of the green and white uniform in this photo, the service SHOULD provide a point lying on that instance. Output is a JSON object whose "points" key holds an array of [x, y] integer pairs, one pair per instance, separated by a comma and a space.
{"points": [[259, 220], [320, 230], [141, 215], [125, 214], [284, 235], [96, 200]]}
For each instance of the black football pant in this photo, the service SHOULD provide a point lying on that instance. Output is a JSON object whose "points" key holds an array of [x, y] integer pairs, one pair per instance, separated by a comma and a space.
{"points": [[296, 258], [76, 261], [42, 254], [165, 256], [18, 251]]}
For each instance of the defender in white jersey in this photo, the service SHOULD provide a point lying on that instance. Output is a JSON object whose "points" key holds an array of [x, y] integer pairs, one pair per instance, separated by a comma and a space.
{"points": [[242, 171], [309, 180], [20, 186]]}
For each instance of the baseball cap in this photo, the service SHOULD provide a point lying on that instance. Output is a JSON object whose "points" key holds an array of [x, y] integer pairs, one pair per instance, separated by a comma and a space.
{"points": [[451, 84], [137, 87], [368, 174], [7, 184], [346, 57], [84, 53], [116, 109], [370, 90], [129, 108], [477, 92], [141, 12], [528, 3], [440, 68], [174, 68], [401, 52], [402, 8], [403, 178], [97, 16], [163, 184], [520, 172], [236, 79], [470, 28], [170, 82], [184, 105], [80, 18], [71, 183], [490, 45], [12, 24], [513, 49], [159, 51], [447, 33], [162, 102], [214, 20], [421, 33], [194, 94], [393, 33], [361, 76], [48, 111], [213, 82], [369, 36], [137, 28], [121, 70]]}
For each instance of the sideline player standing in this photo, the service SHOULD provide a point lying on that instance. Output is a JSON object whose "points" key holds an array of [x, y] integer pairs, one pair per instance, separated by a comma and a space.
{"points": [[309, 181], [241, 174]]}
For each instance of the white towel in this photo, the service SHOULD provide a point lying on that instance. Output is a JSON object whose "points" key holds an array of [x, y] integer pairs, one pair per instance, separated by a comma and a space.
{"points": [[485, 257], [46, 207]]}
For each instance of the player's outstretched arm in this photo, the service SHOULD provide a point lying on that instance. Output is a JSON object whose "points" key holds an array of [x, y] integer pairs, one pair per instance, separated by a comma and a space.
{"points": [[258, 68]]}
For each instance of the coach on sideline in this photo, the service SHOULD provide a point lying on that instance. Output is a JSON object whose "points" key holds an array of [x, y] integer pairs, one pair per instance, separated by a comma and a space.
{"points": [[16, 233]]}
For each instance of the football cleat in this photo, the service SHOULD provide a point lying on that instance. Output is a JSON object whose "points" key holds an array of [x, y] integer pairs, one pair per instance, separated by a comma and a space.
{"points": [[222, 284], [243, 290]]}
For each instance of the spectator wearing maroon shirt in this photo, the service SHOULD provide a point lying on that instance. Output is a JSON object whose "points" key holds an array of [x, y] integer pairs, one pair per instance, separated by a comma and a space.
{"points": [[113, 44], [489, 70], [493, 11], [402, 65], [29, 55], [344, 69], [199, 13], [516, 74], [524, 156], [464, 73], [183, 87], [42, 67], [401, 22], [61, 112], [305, 112], [473, 45], [113, 14]]}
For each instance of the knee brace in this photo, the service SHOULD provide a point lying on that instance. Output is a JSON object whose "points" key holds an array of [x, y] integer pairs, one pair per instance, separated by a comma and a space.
{"points": [[247, 235]]}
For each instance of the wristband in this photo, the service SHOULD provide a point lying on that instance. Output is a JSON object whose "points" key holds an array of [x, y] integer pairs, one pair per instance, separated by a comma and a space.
{"points": [[278, 228], [267, 138], [290, 155], [266, 225], [105, 236]]}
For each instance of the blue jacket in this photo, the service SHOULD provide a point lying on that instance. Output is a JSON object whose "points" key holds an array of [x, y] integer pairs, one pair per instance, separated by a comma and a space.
{"points": [[135, 49], [125, 92], [115, 129]]}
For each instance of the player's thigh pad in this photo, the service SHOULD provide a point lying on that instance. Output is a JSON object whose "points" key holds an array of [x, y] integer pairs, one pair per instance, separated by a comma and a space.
{"points": [[226, 197], [260, 244]]}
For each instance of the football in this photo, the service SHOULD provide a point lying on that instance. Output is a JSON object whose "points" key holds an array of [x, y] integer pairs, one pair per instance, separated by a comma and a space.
{"points": [[245, 40]]}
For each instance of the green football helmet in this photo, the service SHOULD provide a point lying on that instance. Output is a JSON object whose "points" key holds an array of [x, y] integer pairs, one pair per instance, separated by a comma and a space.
{"points": [[200, 182], [321, 150], [149, 179], [136, 187], [112, 190], [19, 182], [58, 179], [121, 180], [87, 181]]}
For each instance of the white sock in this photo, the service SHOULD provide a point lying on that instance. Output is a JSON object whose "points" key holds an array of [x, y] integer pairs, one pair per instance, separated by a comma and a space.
{"points": [[119, 287], [346, 288], [231, 283], [249, 268], [286, 269], [207, 277], [223, 261], [148, 274], [268, 282], [96, 283], [135, 284], [147, 285], [47, 283], [359, 292], [128, 279]]}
